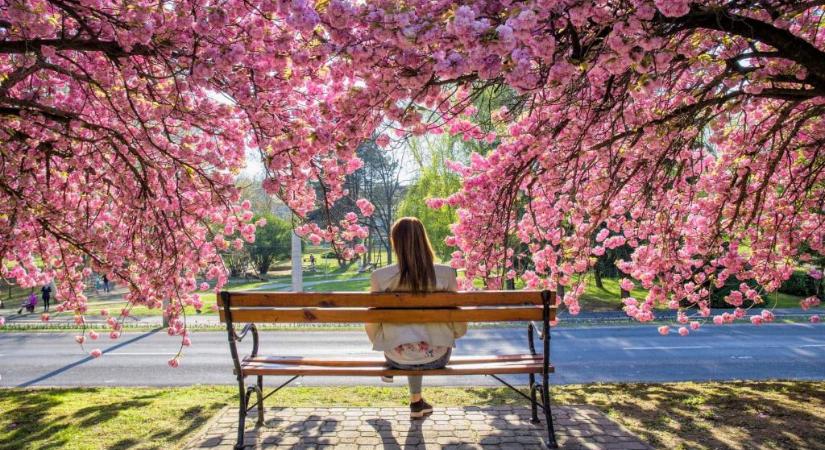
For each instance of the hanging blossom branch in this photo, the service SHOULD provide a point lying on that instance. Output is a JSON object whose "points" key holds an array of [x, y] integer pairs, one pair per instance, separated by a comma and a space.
{"points": [[122, 129]]}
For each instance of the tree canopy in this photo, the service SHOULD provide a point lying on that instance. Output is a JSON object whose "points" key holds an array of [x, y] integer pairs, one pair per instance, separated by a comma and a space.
{"points": [[691, 131]]}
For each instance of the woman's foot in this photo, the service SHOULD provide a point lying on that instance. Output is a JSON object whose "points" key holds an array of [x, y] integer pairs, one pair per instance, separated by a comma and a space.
{"points": [[420, 409]]}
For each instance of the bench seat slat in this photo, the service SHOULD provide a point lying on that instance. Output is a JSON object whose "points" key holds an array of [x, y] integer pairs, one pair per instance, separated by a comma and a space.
{"points": [[364, 315], [383, 299], [374, 362], [500, 368]]}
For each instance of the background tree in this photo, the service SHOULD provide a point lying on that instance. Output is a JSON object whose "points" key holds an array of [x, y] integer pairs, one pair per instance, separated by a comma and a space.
{"points": [[380, 182], [434, 181], [272, 243], [237, 261]]}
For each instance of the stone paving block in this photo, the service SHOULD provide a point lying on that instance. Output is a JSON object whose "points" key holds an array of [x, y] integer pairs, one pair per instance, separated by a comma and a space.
{"points": [[476, 427]]}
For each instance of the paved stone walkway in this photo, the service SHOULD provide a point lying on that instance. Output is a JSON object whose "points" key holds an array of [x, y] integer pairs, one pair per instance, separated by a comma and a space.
{"points": [[496, 427]]}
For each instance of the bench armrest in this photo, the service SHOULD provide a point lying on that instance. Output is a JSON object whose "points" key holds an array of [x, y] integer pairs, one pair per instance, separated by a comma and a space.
{"points": [[536, 328], [245, 331], [240, 337]]}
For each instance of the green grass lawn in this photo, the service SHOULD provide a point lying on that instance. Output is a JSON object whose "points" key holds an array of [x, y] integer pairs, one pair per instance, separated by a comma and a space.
{"points": [[770, 415], [208, 299], [347, 278], [608, 298]]}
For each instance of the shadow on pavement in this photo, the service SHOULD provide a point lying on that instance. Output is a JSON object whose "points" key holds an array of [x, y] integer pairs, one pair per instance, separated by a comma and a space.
{"points": [[68, 367]]}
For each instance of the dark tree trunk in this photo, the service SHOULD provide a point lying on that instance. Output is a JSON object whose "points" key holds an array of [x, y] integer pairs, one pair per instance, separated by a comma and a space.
{"points": [[388, 247], [597, 276]]}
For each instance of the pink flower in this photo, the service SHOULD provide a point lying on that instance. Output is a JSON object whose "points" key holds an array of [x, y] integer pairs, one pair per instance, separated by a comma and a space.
{"points": [[93, 335], [80, 339], [695, 325], [173, 363], [2, 321], [626, 284], [683, 331], [114, 335], [95, 353], [435, 203], [718, 320], [104, 312], [664, 330], [186, 342], [767, 315], [365, 206], [383, 141], [44, 317], [809, 302], [815, 318], [756, 320], [673, 8]]}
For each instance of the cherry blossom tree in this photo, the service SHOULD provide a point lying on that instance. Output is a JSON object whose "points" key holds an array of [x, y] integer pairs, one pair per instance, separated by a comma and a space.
{"points": [[691, 131]]}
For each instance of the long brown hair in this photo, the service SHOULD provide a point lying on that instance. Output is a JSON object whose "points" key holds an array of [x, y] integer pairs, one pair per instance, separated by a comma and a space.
{"points": [[414, 253]]}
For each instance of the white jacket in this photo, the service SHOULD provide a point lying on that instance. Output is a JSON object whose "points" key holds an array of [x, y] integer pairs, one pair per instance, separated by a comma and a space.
{"points": [[386, 336]]}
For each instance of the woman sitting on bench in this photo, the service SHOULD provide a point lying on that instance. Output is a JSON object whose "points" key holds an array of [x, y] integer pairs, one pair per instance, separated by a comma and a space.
{"points": [[420, 346]]}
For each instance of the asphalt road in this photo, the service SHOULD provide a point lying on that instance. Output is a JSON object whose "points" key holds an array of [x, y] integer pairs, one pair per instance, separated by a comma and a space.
{"points": [[581, 355]]}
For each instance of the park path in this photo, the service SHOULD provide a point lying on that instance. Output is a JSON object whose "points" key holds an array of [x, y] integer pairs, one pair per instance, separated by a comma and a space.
{"points": [[451, 428], [115, 300]]}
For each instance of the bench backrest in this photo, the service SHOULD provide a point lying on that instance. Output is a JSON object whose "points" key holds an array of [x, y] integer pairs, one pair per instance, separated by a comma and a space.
{"points": [[387, 307]]}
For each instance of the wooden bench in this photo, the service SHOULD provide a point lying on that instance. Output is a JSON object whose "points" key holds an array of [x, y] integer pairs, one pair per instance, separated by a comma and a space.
{"points": [[537, 308]]}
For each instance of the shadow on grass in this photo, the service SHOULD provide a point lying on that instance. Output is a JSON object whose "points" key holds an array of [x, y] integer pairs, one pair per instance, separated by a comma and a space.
{"points": [[770, 415], [192, 419], [97, 418], [27, 422]]}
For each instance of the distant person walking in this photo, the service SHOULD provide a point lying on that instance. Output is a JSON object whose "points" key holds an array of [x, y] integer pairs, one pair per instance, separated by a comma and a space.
{"points": [[29, 304], [46, 295], [312, 262], [105, 283]]}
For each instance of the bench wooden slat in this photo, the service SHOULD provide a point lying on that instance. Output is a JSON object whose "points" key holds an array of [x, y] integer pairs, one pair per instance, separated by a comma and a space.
{"points": [[458, 369], [364, 315], [374, 362], [383, 299]]}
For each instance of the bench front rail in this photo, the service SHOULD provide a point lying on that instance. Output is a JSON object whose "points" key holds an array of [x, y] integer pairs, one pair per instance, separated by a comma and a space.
{"points": [[537, 308]]}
